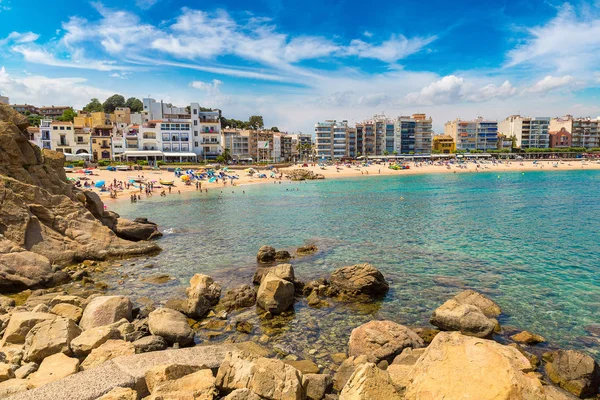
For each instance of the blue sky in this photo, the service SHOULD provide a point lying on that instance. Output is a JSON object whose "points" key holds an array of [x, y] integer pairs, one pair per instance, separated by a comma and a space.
{"points": [[297, 62]]}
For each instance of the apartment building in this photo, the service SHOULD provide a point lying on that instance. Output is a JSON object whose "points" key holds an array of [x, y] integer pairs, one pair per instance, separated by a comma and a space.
{"points": [[585, 132], [53, 112], [331, 139], [23, 108], [302, 144], [443, 144], [45, 134], [413, 135], [560, 139], [237, 142], [529, 132], [207, 132], [66, 139], [478, 134], [122, 115]]}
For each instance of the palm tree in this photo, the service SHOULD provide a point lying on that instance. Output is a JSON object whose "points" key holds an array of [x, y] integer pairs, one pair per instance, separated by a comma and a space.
{"points": [[226, 155]]}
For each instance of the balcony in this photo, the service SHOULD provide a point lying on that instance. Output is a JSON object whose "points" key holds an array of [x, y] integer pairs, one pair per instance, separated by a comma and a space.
{"points": [[105, 146]]}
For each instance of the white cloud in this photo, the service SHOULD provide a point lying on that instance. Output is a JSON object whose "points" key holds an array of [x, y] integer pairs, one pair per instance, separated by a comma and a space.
{"points": [[120, 75], [39, 56], [367, 34], [42, 90], [145, 4], [568, 42], [452, 88], [550, 83], [391, 50], [18, 37], [209, 87], [4, 5]]}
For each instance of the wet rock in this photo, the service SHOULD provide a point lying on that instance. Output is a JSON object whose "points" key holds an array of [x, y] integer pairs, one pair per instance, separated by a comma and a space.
{"points": [[20, 324], [338, 358], [243, 327], [149, 343], [266, 254], [369, 383], [50, 337], [459, 366], [105, 310], [487, 306], [574, 371], [357, 280], [54, 368], [382, 340], [136, 230], [528, 338], [282, 255], [315, 301], [305, 250], [171, 325], [69, 311], [202, 294], [275, 295], [159, 279], [240, 297], [269, 378], [107, 351], [465, 318], [316, 385], [283, 271]]}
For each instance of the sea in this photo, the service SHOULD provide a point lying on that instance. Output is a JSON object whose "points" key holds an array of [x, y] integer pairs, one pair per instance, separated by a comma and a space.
{"points": [[528, 240]]}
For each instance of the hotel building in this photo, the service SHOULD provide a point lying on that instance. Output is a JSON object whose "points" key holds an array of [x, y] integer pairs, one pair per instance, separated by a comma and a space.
{"points": [[478, 134], [530, 133]]}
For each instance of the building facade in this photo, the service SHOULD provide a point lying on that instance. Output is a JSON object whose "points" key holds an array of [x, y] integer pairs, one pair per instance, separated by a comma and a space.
{"points": [[585, 132], [478, 134], [331, 139], [529, 132], [53, 112], [560, 139], [443, 144], [413, 135]]}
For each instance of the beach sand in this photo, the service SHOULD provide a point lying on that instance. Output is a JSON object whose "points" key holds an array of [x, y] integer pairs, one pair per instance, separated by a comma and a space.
{"points": [[330, 172]]}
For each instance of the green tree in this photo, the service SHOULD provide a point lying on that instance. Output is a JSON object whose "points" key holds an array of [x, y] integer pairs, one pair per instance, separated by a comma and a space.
{"points": [[93, 106], [34, 119], [274, 129], [68, 115], [386, 153], [134, 104], [256, 122], [114, 101], [226, 155]]}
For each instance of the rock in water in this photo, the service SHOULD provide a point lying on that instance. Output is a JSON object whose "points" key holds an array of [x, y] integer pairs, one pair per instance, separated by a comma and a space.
{"points": [[382, 340], [275, 295], [305, 250], [202, 294], [357, 280], [171, 325], [455, 366], [240, 297], [266, 254], [528, 338], [135, 230], [465, 318], [105, 310], [369, 383], [575, 372], [487, 306]]}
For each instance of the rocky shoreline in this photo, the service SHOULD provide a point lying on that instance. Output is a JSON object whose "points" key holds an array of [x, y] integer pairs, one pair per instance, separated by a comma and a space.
{"points": [[54, 340]]}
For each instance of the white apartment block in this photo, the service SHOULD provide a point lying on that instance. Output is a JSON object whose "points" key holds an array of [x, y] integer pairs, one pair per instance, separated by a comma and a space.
{"points": [[45, 137], [585, 131], [478, 134], [66, 139], [529, 132], [331, 139], [206, 127]]}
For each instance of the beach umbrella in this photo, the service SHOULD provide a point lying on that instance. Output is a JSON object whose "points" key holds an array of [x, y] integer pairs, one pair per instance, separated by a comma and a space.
{"points": [[185, 178], [99, 184]]}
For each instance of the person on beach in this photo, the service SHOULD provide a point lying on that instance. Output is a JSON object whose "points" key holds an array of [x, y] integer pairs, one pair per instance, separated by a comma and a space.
{"points": [[169, 189]]}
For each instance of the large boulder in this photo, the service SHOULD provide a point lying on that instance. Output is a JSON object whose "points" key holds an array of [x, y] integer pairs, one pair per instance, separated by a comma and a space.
{"points": [[150, 343], [275, 295], [369, 383], [202, 294], [487, 306], [267, 378], [54, 368], [20, 324], [382, 340], [346, 370], [21, 269], [316, 385], [93, 338], [283, 271], [137, 230], [69, 311], [50, 337], [465, 318], [167, 372], [198, 385], [240, 297], [266, 254], [455, 366], [171, 325], [359, 280], [105, 310], [107, 351], [575, 372]]}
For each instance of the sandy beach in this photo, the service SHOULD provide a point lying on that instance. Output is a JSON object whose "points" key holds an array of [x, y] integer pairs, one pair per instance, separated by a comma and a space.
{"points": [[330, 172]]}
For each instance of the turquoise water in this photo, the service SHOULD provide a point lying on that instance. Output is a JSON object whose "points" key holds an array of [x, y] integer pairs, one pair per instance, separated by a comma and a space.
{"points": [[530, 241]]}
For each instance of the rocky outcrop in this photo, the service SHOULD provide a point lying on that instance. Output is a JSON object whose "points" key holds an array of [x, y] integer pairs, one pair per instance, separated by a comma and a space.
{"points": [[41, 213], [574, 371], [359, 280], [382, 340], [465, 318], [136, 230], [266, 254], [302, 175], [457, 366], [202, 294]]}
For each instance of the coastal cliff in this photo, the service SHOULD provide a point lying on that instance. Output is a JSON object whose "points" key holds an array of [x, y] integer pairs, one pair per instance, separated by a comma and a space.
{"points": [[45, 223]]}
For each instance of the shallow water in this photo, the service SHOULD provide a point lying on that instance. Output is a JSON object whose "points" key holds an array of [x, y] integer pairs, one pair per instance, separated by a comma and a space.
{"points": [[529, 240]]}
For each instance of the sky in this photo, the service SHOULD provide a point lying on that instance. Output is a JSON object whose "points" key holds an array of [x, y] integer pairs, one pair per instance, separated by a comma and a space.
{"points": [[299, 62]]}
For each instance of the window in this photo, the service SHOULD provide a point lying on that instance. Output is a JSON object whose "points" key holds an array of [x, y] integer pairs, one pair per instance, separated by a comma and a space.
{"points": [[55, 128], [195, 122], [195, 133], [62, 128], [195, 111], [195, 144]]}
